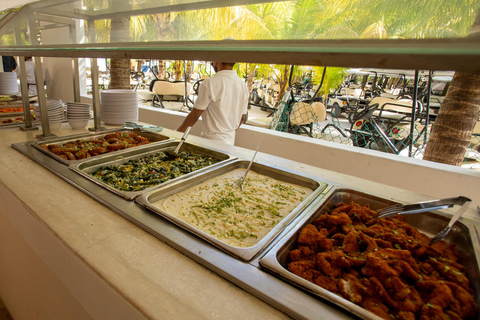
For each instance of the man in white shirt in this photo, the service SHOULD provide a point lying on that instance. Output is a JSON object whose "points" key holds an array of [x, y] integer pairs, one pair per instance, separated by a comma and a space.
{"points": [[31, 80], [222, 102]]}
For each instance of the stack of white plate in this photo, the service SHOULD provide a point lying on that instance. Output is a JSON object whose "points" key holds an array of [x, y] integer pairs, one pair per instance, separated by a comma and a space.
{"points": [[55, 113], [8, 83], [78, 114], [118, 106]]}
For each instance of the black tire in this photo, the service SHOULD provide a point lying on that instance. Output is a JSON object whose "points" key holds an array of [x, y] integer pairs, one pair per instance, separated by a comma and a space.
{"points": [[351, 116], [255, 98], [336, 110]]}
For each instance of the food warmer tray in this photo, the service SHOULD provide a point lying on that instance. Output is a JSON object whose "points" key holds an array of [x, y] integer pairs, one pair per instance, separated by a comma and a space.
{"points": [[464, 235], [14, 115], [87, 166], [246, 254], [154, 138]]}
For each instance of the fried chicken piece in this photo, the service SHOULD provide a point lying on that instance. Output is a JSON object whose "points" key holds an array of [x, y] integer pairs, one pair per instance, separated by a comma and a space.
{"points": [[406, 270], [448, 250], [57, 150], [406, 315], [70, 156], [452, 315], [299, 267], [450, 273], [390, 254], [351, 288], [350, 242], [376, 306], [463, 303], [309, 236], [412, 302], [325, 262], [347, 228], [326, 283], [342, 207], [432, 312], [302, 253], [295, 255], [337, 239], [311, 274], [361, 214], [398, 289], [324, 243], [115, 135], [438, 293], [356, 260], [329, 220], [370, 243], [383, 244], [316, 240]]}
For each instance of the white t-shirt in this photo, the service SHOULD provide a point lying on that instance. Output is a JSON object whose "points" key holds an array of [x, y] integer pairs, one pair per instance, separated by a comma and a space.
{"points": [[31, 80], [224, 99]]}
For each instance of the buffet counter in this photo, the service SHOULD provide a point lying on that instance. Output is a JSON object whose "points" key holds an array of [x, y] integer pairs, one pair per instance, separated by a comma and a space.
{"points": [[69, 253]]}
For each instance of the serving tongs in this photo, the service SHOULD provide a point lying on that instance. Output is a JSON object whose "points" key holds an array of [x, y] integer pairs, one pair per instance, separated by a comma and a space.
{"points": [[240, 181], [464, 202], [421, 206], [144, 128]]}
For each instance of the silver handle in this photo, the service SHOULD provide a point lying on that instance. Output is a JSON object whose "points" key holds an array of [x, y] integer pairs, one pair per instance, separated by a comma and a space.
{"points": [[434, 205], [187, 131], [251, 161], [459, 213]]}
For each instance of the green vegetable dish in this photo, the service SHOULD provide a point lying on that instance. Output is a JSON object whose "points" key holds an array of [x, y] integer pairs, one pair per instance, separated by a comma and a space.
{"points": [[140, 174]]}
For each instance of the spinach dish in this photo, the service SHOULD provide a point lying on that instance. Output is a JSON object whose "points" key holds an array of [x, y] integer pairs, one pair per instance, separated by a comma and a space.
{"points": [[139, 174]]}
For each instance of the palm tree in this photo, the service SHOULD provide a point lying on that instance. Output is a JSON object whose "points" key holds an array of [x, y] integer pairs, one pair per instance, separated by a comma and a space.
{"points": [[120, 68], [457, 117]]}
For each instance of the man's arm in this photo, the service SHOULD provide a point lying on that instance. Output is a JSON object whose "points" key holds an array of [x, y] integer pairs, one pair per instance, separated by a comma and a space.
{"points": [[242, 120], [190, 120]]}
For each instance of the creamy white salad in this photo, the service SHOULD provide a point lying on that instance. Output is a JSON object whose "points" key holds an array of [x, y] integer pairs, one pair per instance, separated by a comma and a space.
{"points": [[237, 218]]}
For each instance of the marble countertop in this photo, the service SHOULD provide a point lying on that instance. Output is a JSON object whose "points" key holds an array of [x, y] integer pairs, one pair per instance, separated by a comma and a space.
{"points": [[159, 281]]}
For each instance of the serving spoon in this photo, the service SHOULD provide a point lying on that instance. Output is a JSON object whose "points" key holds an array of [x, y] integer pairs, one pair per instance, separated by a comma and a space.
{"points": [[175, 152], [240, 181]]}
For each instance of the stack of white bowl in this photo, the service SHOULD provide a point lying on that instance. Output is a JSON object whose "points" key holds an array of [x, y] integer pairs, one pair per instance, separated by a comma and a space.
{"points": [[118, 106], [8, 83], [78, 114], [55, 113]]}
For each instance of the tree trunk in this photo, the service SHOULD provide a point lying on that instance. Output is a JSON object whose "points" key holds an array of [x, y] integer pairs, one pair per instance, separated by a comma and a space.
{"points": [[189, 67], [162, 69], [459, 112], [120, 68], [120, 74], [251, 76], [178, 70], [283, 82]]}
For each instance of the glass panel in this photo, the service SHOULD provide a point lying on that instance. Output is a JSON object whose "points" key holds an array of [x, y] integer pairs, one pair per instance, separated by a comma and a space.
{"points": [[193, 20]]}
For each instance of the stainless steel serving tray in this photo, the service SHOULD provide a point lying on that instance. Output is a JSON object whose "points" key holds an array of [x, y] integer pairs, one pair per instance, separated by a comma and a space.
{"points": [[87, 166], [464, 235], [4, 116], [246, 254], [151, 136]]}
